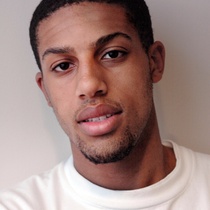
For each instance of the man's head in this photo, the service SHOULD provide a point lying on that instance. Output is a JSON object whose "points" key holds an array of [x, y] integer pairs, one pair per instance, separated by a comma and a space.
{"points": [[97, 76], [136, 10]]}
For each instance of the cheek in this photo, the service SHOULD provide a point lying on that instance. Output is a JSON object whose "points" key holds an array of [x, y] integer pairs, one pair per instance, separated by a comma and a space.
{"points": [[64, 109], [134, 83], [59, 91], [136, 93], [61, 98]]}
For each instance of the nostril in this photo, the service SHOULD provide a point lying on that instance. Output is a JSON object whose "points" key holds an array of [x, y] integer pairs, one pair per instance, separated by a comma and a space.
{"points": [[99, 93], [90, 86]]}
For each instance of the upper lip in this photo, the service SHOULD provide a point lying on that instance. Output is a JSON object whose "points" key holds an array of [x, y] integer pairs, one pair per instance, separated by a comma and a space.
{"points": [[97, 111]]}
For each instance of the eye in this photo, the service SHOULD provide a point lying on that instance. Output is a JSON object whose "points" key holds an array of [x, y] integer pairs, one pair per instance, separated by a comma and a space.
{"points": [[64, 66], [114, 54]]}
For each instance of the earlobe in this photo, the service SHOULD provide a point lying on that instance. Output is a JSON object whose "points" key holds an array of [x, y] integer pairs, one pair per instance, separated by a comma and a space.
{"points": [[157, 61], [40, 83]]}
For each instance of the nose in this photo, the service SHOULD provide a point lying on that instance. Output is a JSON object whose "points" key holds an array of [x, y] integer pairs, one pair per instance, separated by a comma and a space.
{"points": [[91, 82]]}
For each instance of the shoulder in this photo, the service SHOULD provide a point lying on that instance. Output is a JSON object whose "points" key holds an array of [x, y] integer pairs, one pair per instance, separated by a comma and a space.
{"points": [[186, 154], [192, 175], [196, 164], [199, 184], [34, 191], [199, 160], [202, 166]]}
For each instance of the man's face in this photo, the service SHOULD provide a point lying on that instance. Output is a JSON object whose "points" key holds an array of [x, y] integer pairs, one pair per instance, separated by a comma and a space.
{"points": [[97, 78]]}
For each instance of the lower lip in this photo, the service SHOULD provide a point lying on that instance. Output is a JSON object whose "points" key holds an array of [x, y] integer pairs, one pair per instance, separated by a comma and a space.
{"points": [[101, 127]]}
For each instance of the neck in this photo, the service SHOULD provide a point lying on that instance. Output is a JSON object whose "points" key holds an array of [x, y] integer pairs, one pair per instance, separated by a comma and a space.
{"points": [[148, 163]]}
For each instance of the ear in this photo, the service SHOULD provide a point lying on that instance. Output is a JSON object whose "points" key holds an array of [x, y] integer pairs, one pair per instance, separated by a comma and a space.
{"points": [[157, 61], [40, 82]]}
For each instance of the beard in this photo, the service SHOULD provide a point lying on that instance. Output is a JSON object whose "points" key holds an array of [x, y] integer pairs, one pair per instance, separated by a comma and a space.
{"points": [[111, 152], [115, 147], [111, 149]]}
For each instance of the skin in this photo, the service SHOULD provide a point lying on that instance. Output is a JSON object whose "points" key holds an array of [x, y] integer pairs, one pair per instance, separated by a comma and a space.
{"points": [[93, 65]]}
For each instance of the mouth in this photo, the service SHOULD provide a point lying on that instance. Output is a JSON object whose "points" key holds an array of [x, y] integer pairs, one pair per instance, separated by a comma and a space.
{"points": [[98, 113], [99, 120]]}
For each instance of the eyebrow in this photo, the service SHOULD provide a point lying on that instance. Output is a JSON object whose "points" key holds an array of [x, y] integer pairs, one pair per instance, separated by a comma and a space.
{"points": [[56, 50], [107, 38], [100, 42]]}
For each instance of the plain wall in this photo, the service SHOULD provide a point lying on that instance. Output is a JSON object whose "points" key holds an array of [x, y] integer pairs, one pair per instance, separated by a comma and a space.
{"points": [[31, 140]]}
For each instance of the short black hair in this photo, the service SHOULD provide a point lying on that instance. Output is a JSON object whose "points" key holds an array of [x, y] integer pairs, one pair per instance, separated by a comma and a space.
{"points": [[136, 10]]}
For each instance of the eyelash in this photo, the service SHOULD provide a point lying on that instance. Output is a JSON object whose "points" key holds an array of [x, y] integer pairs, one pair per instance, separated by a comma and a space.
{"points": [[65, 65], [113, 54]]}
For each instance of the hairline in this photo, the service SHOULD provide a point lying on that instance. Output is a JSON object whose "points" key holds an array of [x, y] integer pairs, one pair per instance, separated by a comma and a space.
{"points": [[128, 16], [69, 5]]}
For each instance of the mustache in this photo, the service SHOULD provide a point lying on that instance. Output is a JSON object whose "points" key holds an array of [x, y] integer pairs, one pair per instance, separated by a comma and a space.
{"points": [[95, 102]]}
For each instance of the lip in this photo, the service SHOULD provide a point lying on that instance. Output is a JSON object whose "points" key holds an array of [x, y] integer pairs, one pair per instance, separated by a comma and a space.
{"points": [[99, 120]]}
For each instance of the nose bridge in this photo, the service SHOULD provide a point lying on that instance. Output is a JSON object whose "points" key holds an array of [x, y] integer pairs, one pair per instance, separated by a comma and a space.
{"points": [[91, 80]]}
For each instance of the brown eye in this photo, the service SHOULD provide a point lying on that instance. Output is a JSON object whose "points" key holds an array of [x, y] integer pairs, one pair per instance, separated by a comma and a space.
{"points": [[63, 66], [114, 54]]}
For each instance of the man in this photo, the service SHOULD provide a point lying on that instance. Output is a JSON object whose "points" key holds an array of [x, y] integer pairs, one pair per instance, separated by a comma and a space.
{"points": [[98, 62]]}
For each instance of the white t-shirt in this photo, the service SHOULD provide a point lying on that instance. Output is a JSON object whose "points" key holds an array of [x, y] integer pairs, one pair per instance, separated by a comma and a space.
{"points": [[187, 187]]}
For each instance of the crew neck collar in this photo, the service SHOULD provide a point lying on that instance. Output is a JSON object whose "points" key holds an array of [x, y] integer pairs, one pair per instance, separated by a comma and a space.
{"points": [[152, 195]]}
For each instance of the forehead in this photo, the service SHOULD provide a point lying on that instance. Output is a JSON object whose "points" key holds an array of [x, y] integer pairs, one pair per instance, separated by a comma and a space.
{"points": [[89, 17], [83, 9]]}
